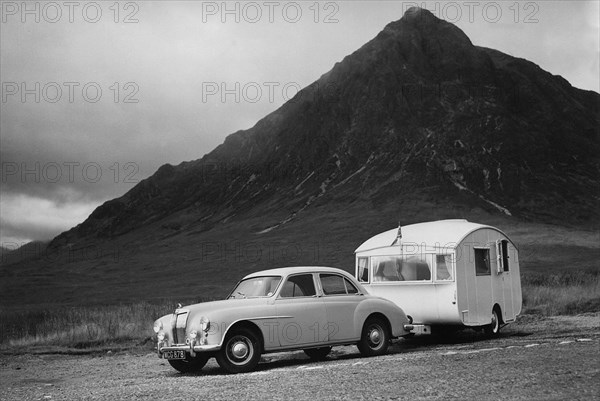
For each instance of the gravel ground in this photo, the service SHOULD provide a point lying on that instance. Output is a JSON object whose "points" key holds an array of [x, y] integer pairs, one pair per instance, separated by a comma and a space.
{"points": [[534, 359]]}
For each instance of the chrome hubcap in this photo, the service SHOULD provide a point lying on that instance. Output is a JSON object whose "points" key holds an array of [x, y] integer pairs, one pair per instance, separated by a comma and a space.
{"points": [[375, 336], [239, 350]]}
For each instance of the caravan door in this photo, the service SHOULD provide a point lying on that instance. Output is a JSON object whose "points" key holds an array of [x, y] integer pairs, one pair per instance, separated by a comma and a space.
{"points": [[503, 249], [481, 301]]}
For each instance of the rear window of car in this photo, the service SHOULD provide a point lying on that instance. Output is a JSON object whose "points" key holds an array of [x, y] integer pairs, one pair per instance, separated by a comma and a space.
{"points": [[334, 284], [301, 285]]}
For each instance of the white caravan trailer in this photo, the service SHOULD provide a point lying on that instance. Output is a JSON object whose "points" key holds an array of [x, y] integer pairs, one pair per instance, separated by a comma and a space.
{"points": [[444, 273]]}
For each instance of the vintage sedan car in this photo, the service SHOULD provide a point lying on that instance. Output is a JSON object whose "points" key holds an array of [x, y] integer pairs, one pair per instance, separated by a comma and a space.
{"points": [[308, 308]]}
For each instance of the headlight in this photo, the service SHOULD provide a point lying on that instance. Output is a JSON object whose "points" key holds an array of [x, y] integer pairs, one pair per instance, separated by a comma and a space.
{"points": [[204, 323], [158, 326], [160, 335]]}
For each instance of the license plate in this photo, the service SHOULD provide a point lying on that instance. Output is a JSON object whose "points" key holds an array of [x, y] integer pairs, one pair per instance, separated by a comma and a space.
{"points": [[176, 354]]}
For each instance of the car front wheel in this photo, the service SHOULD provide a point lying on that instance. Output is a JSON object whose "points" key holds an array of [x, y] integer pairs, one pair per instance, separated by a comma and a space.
{"points": [[189, 365], [240, 352], [375, 337]]}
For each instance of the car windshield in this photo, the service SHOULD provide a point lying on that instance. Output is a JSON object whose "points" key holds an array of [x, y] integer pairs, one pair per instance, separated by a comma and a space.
{"points": [[263, 286]]}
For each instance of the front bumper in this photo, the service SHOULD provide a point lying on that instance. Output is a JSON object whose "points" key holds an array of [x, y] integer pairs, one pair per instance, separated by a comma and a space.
{"points": [[190, 348]]}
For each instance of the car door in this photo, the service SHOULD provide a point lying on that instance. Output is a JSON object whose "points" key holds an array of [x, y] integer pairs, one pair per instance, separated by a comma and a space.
{"points": [[341, 298], [301, 313]]}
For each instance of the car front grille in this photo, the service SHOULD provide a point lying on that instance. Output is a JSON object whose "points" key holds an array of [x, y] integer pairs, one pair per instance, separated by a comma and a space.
{"points": [[179, 329]]}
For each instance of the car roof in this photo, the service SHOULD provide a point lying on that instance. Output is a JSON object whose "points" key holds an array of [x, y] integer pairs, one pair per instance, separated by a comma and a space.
{"points": [[286, 271]]}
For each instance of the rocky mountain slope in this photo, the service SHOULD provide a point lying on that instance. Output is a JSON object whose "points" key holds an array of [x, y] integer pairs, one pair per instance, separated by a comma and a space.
{"points": [[416, 107]]}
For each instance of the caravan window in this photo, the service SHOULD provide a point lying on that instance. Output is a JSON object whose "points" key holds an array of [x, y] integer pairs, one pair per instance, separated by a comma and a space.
{"points": [[363, 270], [402, 268], [502, 248], [443, 271], [482, 261]]}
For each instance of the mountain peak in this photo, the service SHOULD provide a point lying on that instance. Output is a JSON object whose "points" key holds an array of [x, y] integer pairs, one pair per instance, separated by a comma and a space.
{"points": [[417, 16], [421, 28], [421, 14]]}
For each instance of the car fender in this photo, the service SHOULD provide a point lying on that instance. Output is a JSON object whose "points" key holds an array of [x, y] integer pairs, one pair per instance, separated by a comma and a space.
{"points": [[221, 328], [393, 313]]}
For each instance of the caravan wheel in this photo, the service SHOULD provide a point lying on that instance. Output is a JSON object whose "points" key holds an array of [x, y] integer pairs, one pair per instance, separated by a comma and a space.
{"points": [[493, 328]]}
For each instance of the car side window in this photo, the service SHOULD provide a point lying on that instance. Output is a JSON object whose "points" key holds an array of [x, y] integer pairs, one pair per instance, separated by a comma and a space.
{"points": [[334, 284], [301, 285], [350, 288]]}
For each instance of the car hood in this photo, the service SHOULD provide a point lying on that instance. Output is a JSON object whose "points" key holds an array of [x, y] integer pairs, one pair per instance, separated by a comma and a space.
{"points": [[214, 307]]}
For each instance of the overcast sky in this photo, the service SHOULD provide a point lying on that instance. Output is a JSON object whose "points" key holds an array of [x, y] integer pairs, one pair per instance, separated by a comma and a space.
{"points": [[97, 97]]}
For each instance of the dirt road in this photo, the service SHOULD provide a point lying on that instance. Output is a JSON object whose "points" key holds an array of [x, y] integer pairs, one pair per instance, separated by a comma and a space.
{"points": [[534, 359]]}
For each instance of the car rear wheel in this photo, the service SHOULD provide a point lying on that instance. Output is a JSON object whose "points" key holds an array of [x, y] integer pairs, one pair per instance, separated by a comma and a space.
{"points": [[240, 352], [317, 354], [189, 365], [375, 338]]}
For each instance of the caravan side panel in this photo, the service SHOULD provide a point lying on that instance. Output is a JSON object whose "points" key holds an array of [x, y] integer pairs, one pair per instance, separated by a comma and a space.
{"points": [[482, 281], [425, 303], [429, 301]]}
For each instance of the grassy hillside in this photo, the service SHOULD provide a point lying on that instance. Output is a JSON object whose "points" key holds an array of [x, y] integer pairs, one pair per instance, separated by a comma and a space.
{"points": [[187, 264], [114, 292]]}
